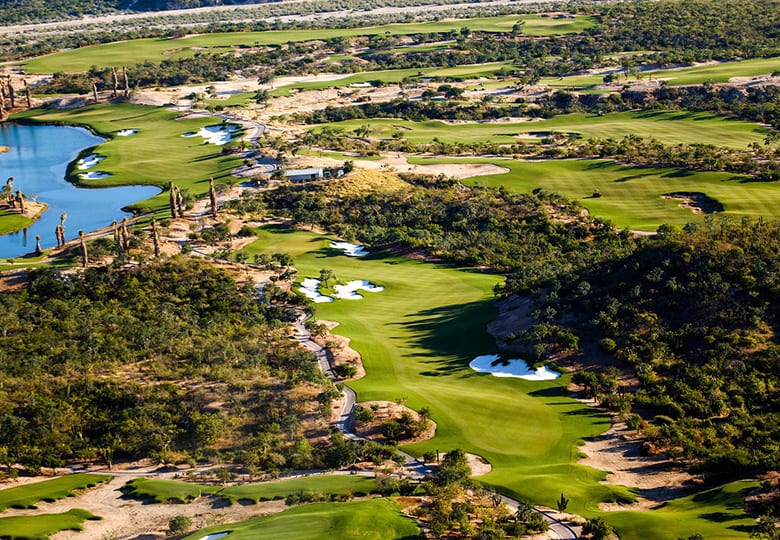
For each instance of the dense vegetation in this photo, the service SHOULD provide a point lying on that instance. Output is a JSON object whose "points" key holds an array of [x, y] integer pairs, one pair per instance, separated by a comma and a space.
{"points": [[171, 360], [695, 313], [473, 226]]}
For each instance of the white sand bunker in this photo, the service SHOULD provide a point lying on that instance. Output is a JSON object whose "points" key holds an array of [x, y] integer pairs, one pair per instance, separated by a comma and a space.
{"points": [[94, 175], [310, 289], [219, 135], [351, 250], [215, 536], [89, 161], [349, 291], [488, 363], [126, 132]]}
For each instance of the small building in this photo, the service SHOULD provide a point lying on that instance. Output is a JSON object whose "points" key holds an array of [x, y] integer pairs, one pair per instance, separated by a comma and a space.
{"points": [[303, 175]]}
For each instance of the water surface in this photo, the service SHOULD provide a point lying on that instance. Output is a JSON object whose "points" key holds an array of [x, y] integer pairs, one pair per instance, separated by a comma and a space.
{"points": [[37, 160]]}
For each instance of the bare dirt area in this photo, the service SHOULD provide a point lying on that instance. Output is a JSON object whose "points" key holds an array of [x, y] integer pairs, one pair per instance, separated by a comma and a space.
{"points": [[340, 349], [387, 410], [128, 518], [657, 478], [479, 466]]}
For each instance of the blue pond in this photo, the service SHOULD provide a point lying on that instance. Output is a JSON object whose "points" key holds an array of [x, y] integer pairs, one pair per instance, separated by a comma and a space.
{"points": [[38, 158]]}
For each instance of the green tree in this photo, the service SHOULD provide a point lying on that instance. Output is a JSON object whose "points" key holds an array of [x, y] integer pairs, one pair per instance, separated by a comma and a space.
{"points": [[179, 525]]}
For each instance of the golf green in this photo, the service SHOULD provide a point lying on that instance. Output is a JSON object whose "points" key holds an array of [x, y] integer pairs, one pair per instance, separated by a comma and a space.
{"points": [[631, 197], [28, 495], [155, 154], [374, 519]]}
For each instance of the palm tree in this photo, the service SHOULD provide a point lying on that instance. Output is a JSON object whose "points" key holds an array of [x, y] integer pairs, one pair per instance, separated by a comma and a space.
{"points": [[172, 195], [38, 250], [213, 198], [84, 256], [155, 238], [125, 241]]}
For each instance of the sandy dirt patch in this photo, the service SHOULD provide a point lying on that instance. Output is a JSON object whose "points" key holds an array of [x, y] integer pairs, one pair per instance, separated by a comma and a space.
{"points": [[479, 465], [619, 452]]}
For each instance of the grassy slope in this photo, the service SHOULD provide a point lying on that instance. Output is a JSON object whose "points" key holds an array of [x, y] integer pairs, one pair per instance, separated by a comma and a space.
{"points": [[28, 495], [671, 127], [44, 525], [375, 519], [11, 221], [156, 50], [416, 339], [631, 196], [166, 490], [156, 154]]}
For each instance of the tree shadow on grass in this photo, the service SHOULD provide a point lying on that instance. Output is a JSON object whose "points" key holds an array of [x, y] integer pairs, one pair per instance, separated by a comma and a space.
{"points": [[452, 335]]}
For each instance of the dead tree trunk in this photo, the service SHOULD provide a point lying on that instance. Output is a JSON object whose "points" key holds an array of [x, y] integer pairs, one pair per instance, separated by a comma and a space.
{"points": [[125, 240], [84, 255], [179, 202], [213, 198], [117, 244], [114, 82], [20, 200], [155, 238], [124, 76], [27, 94], [11, 93], [172, 195], [94, 91]]}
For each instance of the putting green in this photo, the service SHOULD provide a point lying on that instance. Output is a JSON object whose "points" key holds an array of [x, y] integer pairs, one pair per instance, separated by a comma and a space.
{"points": [[156, 154], [162, 491], [631, 196], [375, 519], [43, 525], [28, 495], [11, 221], [156, 50], [416, 339], [670, 127]]}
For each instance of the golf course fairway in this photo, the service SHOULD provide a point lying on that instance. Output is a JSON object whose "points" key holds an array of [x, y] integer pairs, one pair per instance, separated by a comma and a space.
{"points": [[416, 339]]}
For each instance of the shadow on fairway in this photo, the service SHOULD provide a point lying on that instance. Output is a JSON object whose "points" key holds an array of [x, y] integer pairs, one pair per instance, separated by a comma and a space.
{"points": [[453, 335]]}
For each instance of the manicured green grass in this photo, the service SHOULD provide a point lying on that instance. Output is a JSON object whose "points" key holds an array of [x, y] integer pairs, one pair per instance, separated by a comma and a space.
{"points": [[155, 155], [670, 127], [716, 514], [156, 50], [416, 339], [631, 196], [162, 491], [44, 525], [28, 495], [11, 221], [375, 519], [469, 71]]}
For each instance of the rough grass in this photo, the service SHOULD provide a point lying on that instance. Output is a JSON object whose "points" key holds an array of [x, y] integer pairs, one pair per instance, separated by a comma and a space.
{"points": [[631, 196], [163, 491], [670, 127], [156, 154], [365, 181], [375, 519], [42, 526], [28, 495], [155, 50]]}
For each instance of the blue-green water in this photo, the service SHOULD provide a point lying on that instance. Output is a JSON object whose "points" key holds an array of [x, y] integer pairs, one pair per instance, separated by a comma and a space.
{"points": [[38, 158]]}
